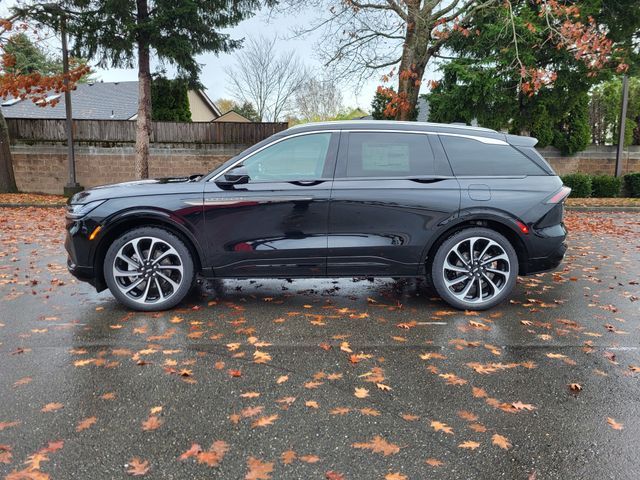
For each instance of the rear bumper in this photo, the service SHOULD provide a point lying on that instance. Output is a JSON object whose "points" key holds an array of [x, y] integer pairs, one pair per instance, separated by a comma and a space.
{"points": [[550, 262], [550, 247]]}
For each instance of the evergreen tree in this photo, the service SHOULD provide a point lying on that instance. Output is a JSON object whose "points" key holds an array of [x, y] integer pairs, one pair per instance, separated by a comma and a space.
{"points": [[123, 33], [480, 81], [170, 100]]}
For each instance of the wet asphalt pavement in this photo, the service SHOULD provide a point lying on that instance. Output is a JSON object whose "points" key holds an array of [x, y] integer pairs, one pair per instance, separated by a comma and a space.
{"points": [[321, 379]]}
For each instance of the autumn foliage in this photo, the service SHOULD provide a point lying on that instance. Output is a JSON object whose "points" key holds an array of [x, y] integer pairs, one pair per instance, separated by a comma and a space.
{"points": [[564, 28], [33, 85]]}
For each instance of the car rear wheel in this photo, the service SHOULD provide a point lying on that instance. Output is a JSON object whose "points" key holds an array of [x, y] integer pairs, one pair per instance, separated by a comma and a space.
{"points": [[475, 269], [149, 269]]}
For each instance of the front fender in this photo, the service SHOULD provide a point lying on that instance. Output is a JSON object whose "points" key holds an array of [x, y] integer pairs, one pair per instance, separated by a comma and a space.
{"points": [[146, 216]]}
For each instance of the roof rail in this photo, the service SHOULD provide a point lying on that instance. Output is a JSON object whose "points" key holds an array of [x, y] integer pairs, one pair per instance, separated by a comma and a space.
{"points": [[394, 122]]}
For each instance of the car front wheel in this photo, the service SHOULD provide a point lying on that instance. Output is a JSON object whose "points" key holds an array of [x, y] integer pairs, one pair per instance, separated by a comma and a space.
{"points": [[475, 269], [149, 269]]}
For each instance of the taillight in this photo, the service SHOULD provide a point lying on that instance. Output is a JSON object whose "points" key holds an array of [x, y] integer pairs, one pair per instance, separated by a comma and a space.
{"points": [[523, 227], [560, 196]]}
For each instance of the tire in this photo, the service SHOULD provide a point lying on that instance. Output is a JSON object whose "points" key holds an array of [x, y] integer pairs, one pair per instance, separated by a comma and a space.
{"points": [[156, 283], [491, 282]]}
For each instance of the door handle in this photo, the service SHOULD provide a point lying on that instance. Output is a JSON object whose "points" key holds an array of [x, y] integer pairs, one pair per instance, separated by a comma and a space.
{"points": [[309, 183], [427, 180]]}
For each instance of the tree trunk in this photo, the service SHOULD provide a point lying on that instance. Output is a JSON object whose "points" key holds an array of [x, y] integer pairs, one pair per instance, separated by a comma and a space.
{"points": [[143, 122], [415, 56], [7, 179]]}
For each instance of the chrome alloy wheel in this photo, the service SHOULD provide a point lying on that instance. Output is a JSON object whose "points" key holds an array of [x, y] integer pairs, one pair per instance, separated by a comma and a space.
{"points": [[476, 270], [148, 270]]}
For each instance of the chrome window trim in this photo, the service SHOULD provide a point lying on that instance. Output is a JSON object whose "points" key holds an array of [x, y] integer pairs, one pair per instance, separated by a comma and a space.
{"points": [[485, 140]]}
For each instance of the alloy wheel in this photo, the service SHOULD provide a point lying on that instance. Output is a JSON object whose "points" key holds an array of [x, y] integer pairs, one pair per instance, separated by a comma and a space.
{"points": [[148, 270], [476, 270]]}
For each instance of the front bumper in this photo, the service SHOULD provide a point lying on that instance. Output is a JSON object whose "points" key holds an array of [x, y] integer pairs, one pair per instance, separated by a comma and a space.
{"points": [[82, 273], [79, 249]]}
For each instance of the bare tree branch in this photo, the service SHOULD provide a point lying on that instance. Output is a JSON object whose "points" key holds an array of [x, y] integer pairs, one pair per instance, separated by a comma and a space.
{"points": [[266, 80]]}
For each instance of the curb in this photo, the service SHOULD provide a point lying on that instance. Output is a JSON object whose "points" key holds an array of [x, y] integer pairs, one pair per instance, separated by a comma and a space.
{"points": [[619, 209], [23, 205]]}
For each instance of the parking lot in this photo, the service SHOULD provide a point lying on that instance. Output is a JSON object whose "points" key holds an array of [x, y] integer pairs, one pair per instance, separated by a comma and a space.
{"points": [[321, 379]]}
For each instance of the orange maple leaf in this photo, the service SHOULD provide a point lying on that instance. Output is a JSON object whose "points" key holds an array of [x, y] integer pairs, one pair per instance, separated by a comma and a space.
{"points": [[151, 423], [378, 445], [613, 424], [86, 423], [439, 426], [288, 457], [193, 451], [361, 392], [258, 470], [469, 445], [52, 407], [264, 421], [137, 467], [500, 441]]}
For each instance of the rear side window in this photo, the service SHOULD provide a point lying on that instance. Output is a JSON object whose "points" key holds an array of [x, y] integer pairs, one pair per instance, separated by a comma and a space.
{"points": [[470, 157], [389, 155]]}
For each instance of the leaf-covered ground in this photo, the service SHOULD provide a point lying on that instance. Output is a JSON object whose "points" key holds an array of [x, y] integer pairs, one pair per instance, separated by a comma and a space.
{"points": [[604, 202], [321, 379], [31, 199]]}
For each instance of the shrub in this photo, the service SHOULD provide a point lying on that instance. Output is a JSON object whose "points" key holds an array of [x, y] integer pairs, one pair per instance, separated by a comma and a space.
{"points": [[632, 184], [573, 132], [580, 184], [606, 186]]}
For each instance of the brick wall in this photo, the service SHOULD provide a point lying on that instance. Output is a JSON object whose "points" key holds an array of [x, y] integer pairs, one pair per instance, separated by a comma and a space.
{"points": [[596, 160], [43, 168]]}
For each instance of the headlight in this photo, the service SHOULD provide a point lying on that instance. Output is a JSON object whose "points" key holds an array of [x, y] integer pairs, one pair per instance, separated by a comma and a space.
{"points": [[80, 210]]}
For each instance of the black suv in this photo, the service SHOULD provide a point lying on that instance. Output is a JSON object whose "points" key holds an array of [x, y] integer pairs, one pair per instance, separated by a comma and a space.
{"points": [[468, 208]]}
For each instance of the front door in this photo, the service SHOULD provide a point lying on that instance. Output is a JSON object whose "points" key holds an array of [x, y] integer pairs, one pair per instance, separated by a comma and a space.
{"points": [[275, 225], [390, 194]]}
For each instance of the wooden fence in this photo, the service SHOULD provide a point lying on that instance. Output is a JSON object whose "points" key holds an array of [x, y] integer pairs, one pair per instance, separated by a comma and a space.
{"points": [[23, 130]]}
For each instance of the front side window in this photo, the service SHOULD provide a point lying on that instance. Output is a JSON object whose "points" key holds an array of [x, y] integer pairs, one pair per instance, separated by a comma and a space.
{"points": [[297, 158], [389, 155], [471, 157]]}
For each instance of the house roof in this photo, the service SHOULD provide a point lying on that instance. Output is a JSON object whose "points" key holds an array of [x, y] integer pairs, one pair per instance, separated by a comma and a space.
{"points": [[208, 101], [222, 118], [90, 101]]}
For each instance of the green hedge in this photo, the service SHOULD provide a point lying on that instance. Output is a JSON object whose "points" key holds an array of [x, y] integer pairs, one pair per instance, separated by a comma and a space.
{"points": [[580, 184], [632, 184], [606, 186]]}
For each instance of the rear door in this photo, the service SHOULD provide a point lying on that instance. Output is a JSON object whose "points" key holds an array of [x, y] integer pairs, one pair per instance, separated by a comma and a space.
{"points": [[389, 194]]}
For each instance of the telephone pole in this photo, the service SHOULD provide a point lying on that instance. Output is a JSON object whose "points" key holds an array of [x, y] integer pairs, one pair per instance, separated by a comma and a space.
{"points": [[622, 124], [72, 185]]}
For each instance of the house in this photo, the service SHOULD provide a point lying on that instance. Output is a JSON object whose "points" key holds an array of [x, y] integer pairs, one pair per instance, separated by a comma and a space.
{"points": [[103, 101], [202, 108], [231, 116]]}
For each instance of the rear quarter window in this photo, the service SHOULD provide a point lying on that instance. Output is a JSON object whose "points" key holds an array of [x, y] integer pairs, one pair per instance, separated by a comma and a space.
{"points": [[469, 157]]}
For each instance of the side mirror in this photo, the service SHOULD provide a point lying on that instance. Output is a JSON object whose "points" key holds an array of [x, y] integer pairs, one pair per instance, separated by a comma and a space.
{"points": [[235, 176]]}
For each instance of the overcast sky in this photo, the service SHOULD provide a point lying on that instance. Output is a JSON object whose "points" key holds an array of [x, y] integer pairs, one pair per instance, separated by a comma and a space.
{"points": [[214, 68]]}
